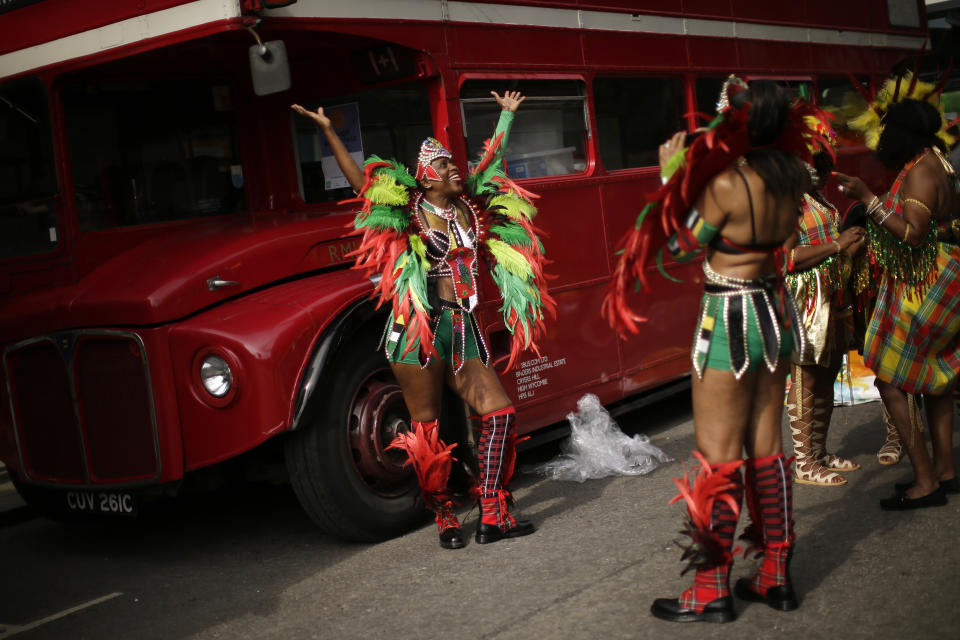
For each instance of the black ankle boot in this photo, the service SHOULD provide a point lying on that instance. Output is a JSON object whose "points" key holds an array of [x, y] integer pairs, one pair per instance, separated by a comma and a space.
{"points": [[719, 610], [487, 533], [781, 597], [452, 538]]}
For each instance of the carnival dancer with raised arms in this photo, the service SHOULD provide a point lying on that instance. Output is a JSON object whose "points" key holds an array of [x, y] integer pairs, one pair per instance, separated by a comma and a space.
{"points": [[736, 193], [425, 235], [913, 336]]}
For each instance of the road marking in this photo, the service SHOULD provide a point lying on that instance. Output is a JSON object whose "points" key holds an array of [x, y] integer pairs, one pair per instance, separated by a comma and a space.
{"points": [[9, 630]]}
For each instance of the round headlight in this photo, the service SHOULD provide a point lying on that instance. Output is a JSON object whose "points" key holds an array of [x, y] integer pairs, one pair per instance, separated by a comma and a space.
{"points": [[216, 376]]}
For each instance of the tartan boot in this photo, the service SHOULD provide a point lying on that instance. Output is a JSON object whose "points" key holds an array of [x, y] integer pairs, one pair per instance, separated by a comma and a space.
{"points": [[708, 599], [496, 457], [774, 503]]}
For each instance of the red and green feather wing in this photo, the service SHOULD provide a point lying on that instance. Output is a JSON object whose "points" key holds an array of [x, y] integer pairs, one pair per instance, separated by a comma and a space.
{"points": [[389, 249]]}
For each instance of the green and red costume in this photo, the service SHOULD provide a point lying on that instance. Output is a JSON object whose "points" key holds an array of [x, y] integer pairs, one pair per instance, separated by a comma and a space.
{"points": [[400, 247]]}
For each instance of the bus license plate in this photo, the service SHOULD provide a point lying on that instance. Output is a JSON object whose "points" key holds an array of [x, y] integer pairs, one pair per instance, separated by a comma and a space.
{"points": [[107, 502]]}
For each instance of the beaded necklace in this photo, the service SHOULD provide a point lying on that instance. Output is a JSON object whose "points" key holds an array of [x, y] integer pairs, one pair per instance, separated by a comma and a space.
{"points": [[452, 251], [447, 214]]}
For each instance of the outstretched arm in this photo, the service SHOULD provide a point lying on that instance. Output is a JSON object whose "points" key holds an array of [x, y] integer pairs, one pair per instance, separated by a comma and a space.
{"points": [[809, 255], [509, 104], [351, 170], [918, 190], [491, 163]]}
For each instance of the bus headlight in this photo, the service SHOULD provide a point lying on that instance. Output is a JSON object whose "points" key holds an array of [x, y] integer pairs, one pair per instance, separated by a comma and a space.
{"points": [[216, 377]]}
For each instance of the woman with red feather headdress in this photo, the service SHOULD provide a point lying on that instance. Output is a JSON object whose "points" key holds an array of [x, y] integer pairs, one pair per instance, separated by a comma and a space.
{"points": [[424, 235], [736, 193]]}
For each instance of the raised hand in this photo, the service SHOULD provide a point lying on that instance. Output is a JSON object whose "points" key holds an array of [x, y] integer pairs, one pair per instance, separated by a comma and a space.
{"points": [[318, 116], [669, 148], [853, 187], [510, 100]]}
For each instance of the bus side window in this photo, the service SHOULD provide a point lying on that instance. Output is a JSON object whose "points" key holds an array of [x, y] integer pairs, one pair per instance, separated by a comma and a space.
{"points": [[838, 96], [387, 121], [550, 130], [634, 116], [28, 184]]}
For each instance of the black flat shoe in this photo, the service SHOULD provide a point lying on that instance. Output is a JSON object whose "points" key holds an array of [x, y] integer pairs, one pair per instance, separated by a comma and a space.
{"points": [[781, 598], [452, 538], [901, 502], [951, 486], [720, 610], [487, 533]]}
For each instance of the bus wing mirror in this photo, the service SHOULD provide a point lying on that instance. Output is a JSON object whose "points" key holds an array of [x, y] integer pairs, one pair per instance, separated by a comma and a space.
{"points": [[269, 67]]}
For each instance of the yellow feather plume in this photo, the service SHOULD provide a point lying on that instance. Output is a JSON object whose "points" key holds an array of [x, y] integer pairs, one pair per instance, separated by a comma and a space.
{"points": [[511, 259], [416, 243], [514, 206], [386, 190], [869, 121]]}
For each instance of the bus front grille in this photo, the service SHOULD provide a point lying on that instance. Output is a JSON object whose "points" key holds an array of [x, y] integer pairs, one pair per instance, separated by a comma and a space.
{"points": [[82, 407]]}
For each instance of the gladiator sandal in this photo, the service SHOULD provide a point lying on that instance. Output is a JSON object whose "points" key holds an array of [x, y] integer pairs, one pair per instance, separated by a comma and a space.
{"points": [[892, 449], [809, 437], [771, 583], [431, 459], [713, 506], [496, 458], [822, 413]]}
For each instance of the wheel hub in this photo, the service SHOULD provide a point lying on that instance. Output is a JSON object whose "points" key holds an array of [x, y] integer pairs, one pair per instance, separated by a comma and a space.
{"points": [[377, 414]]}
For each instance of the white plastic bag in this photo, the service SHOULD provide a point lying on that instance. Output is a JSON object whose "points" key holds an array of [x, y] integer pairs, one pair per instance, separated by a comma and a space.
{"points": [[597, 448]]}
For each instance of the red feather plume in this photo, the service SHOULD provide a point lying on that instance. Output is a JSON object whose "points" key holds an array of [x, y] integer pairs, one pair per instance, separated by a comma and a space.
{"points": [[431, 459], [700, 491]]}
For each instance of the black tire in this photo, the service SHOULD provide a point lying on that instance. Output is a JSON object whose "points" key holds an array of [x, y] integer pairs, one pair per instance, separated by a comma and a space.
{"points": [[338, 466]]}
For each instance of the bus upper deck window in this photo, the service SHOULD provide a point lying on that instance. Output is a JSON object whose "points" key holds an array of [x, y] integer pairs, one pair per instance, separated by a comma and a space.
{"points": [[634, 116], [28, 185], [387, 121], [904, 13], [549, 132], [152, 150]]}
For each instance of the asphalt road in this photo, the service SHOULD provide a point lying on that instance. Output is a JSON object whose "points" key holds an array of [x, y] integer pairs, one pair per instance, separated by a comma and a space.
{"points": [[247, 564]]}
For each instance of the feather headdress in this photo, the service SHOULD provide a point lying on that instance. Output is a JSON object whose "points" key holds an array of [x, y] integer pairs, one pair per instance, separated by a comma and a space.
{"points": [[903, 87]]}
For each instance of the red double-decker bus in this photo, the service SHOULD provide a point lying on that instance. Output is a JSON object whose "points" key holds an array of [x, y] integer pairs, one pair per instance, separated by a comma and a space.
{"points": [[174, 290]]}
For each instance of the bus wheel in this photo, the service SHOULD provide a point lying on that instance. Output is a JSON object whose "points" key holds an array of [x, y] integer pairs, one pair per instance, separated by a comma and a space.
{"points": [[340, 469]]}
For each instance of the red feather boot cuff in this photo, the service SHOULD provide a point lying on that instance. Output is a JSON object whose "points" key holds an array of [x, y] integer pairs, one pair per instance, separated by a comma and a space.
{"points": [[713, 508], [431, 459]]}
